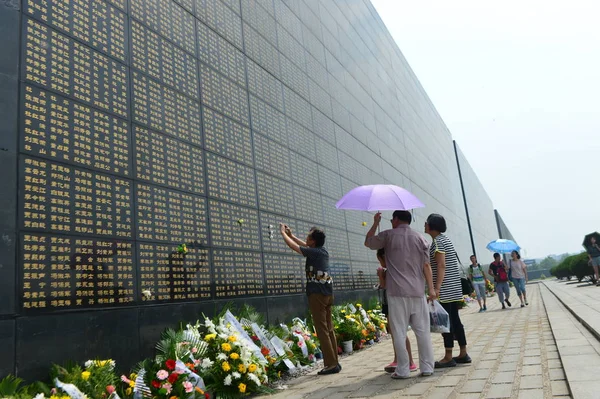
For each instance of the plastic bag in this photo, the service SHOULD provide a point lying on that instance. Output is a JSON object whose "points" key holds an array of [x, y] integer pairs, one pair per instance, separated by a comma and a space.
{"points": [[438, 318]]}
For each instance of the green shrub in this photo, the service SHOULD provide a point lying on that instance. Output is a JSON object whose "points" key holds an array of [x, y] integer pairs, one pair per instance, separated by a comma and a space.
{"points": [[580, 266], [543, 277]]}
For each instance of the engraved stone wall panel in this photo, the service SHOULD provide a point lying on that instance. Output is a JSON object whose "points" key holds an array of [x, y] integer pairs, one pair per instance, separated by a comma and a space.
{"points": [[294, 77], [223, 95], [323, 126], [256, 16], [260, 50], [215, 51], [167, 18], [165, 110], [230, 181], [327, 154], [297, 108], [268, 120], [317, 72], [336, 242], [169, 215], [63, 130], [319, 98], [331, 215], [341, 272], [237, 274], [168, 162], [331, 185], [96, 23], [167, 275], [233, 226], [271, 157], [364, 275], [224, 20], [274, 195], [61, 64], [284, 274], [68, 200], [357, 249], [265, 85], [301, 139], [305, 172], [291, 48], [288, 21], [226, 137], [66, 272], [308, 205], [164, 61], [269, 232]]}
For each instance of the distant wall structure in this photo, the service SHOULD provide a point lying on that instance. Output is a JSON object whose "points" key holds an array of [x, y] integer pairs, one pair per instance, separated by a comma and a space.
{"points": [[131, 127]]}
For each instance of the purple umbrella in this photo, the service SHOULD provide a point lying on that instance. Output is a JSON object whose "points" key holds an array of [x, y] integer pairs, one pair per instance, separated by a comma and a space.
{"points": [[379, 197]]}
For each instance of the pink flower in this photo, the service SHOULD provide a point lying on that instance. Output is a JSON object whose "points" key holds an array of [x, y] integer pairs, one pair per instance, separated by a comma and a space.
{"points": [[197, 362], [194, 350], [188, 387], [162, 374], [168, 387], [300, 344], [125, 379], [110, 389]]}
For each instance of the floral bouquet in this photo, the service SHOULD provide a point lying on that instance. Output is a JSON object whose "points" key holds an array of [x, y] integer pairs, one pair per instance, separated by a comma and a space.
{"points": [[166, 380], [233, 368], [489, 287], [348, 328], [96, 380], [378, 319]]}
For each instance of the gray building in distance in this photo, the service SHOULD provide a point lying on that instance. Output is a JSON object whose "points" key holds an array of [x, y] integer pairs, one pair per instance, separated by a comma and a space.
{"points": [[204, 122]]}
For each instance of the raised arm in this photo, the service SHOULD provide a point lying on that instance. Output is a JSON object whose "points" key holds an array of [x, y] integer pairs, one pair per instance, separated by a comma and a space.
{"points": [[298, 241], [371, 240], [288, 240]]}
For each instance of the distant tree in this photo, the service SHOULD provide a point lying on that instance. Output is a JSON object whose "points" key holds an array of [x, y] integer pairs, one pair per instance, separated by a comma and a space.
{"points": [[548, 263]]}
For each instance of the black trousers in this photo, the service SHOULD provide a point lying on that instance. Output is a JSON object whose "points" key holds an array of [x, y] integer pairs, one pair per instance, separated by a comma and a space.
{"points": [[457, 331]]}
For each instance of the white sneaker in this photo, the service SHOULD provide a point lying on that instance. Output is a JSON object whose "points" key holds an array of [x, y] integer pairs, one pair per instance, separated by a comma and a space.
{"points": [[426, 373]]}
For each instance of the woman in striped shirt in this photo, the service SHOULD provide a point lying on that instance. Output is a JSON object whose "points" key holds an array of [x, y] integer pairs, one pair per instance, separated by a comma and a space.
{"points": [[446, 279]]}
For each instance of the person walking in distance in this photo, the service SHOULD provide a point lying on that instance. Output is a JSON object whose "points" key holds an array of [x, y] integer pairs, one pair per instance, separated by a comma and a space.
{"points": [[381, 272], [477, 277], [319, 288], [408, 270], [446, 277], [519, 276], [500, 272], [593, 251]]}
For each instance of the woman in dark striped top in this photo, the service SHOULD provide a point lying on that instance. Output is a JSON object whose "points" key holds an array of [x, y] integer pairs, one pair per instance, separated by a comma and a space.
{"points": [[446, 279]]}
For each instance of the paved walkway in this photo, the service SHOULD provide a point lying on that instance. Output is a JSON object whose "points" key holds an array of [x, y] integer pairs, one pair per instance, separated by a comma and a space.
{"points": [[514, 356]]}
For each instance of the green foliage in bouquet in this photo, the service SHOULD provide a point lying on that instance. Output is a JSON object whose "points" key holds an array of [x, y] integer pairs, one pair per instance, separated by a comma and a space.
{"points": [[97, 379], [12, 387]]}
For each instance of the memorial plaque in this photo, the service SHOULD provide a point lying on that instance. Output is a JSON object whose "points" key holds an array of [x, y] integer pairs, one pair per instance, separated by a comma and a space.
{"points": [[297, 108], [64, 272], [268, 120], [164, 61], [349, 168], [217, 52], [223, 95], [167, 275], [63, 130], [364, 275], [358, 251], [260, 50], [168, 215], [187, 4], [337, 243], [331, 185], [168, 19], [271, 157], [294, 77], [168, 162], [222, 19], [257, 17], [317, 72], [291, 48], [237, 273], [288, 20], [272, 241], [284, 274], [323, 126], [233, 226], [301, 139], [342, 275], [94, 22], [327, 156], [305, 171], [64, 199], [59, 63], [226, 137], [319, 98], [331, 215], [230, 181], [308, 205], [265, 85], [275, 195], [166, 110]]}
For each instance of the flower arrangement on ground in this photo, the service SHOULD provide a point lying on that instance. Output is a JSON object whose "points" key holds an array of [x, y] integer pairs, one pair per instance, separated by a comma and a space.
{"points": [[96, 380]]}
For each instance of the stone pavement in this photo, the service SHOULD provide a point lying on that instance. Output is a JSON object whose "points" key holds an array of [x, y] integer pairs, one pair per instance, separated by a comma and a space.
{"points": [[514, 356]]}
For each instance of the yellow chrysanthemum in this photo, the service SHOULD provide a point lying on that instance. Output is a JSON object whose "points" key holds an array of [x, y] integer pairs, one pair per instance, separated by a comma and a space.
{"points": [[226, 347], [226, 367], [128, 391], [85, 375], [232, 338], [132, 383], [234, 356], [242, 388], [132, 376], [252, 368], [209, 337], [242, 368]]}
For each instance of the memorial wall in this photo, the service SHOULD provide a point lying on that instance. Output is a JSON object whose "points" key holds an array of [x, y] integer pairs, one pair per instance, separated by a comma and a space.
{"points": [[132, 127]]}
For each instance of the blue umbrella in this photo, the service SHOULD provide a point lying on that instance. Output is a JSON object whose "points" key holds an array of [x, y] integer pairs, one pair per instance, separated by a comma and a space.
{"points": [[503, 246]]}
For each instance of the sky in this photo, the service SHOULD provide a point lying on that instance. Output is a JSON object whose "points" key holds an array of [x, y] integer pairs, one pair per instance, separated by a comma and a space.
{"points": [[518, 85]]}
